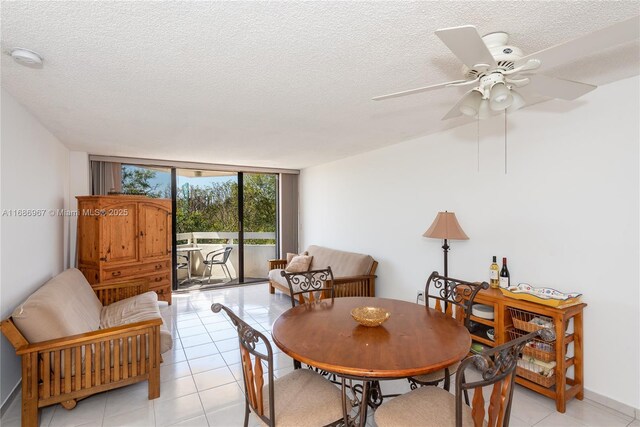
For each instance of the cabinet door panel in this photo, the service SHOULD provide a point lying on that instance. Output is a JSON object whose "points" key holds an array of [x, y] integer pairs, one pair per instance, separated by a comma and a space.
{"points": [[155, 230], [120, 233], [89, 250]]}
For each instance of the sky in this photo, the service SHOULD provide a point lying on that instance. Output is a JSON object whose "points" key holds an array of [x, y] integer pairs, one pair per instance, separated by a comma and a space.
{"points": [[163, 179]]}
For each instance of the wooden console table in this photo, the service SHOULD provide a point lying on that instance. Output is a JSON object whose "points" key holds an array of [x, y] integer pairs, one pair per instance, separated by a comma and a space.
{"points": [[505, 309]]}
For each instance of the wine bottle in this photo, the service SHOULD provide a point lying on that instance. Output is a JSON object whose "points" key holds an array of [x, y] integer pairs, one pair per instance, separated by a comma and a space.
{"points": [[494, 274], [504, 274]]}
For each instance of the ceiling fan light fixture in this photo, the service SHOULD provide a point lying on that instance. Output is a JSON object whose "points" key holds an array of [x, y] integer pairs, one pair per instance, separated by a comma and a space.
{"points": [[518, 102], [471, 104], [501, 97], [496, 67], [484, 111]]}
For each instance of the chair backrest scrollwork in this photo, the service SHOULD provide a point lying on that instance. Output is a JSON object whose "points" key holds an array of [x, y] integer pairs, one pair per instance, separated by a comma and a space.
{"points": [[310, 285], [447, 293], [497, 367]]}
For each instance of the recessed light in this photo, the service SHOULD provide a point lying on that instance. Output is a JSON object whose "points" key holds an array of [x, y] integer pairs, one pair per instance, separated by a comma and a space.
{"points": [[26, 57]]}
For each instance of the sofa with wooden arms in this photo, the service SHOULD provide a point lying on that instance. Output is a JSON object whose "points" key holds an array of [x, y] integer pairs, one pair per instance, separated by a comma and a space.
{"points": [[354, 274], [75, 340]]}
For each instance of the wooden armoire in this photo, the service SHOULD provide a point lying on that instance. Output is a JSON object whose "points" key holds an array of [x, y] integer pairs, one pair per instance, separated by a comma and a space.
{"points": [[122, 237]]}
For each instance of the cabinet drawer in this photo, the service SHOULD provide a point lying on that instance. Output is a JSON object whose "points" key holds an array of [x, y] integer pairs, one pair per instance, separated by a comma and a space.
{"points": [[134, 270], [159, 280]]}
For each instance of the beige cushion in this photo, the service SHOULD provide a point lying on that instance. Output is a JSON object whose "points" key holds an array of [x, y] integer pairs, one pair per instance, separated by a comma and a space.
{"points": [[343, 264], [290, 255], [136, 309], [304, 398], [275, 276], [65, 305], [425, 407], [437, 375], [299, 264]]}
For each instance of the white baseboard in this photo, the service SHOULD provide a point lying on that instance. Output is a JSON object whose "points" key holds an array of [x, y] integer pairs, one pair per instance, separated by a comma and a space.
{"points": [[7, 402], [623, 408]]}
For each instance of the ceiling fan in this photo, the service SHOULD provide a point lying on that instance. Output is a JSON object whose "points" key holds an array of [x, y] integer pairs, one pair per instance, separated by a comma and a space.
{"points": [[494, 69]]}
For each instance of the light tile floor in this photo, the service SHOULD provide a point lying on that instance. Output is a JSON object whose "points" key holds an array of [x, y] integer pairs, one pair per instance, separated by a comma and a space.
{"points": [[202, 380]]}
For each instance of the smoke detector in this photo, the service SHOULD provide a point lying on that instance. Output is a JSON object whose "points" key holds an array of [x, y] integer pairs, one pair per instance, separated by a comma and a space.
{"points": [[26, 57]]}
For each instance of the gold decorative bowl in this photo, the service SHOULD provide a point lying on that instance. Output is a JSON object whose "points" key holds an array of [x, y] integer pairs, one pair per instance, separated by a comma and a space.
{"points": [[370, 316]]}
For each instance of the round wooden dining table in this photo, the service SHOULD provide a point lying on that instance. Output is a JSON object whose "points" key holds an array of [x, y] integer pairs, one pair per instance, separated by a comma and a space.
{"points": [[415, 340]]}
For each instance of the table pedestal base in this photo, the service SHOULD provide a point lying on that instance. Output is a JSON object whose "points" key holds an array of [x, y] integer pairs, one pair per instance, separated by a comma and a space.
{"points": [[366, 395]]}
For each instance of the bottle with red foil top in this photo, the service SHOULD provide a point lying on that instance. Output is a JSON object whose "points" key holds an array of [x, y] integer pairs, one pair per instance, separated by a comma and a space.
{"points": [[504, 275]]}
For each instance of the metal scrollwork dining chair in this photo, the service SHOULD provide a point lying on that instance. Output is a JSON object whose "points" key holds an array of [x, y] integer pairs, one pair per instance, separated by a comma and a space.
{"points": [[217, 257], [452, 297], [309, 286], [433, 406], [299, 398]]}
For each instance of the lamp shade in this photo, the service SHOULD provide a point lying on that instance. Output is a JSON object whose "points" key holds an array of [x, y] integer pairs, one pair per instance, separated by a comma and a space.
{"points": [[446, 226]]}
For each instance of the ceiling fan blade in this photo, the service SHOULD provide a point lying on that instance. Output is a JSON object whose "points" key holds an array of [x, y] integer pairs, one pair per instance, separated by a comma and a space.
{"points": [[421, 89], [518, 82], [621, 32], [558, 88], [455, 111], [531, 64], [464, 83], [467, 45]]}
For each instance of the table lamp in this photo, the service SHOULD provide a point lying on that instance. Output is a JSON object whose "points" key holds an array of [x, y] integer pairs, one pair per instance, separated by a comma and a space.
{"points": [[446, 227]]}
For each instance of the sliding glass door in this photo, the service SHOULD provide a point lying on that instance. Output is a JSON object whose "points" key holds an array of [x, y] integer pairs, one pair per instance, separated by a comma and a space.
{"points": [[225, 227], [260, 223]]}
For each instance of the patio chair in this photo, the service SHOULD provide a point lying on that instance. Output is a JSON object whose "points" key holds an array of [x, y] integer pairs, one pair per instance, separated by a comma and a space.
{"points": [[183, 263], [433, 406], [217, 257], [450, 296], [300, 398]]}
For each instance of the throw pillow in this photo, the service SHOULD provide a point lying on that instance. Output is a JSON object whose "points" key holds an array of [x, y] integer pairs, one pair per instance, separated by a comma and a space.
{"points": [[299, 264], [290, 256]]}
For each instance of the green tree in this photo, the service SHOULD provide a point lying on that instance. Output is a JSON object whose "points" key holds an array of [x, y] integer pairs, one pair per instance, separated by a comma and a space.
{"points": [[260, 202], [137, 180], [215, 207]]}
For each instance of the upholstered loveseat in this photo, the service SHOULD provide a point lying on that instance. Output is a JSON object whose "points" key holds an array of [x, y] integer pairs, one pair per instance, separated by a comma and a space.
{"points": [[75, 340], [354, 274]]}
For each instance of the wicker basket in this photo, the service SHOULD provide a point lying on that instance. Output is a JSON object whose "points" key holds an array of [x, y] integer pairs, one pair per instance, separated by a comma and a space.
{"points": [[536, 378], [536, 348], [529, 322]]}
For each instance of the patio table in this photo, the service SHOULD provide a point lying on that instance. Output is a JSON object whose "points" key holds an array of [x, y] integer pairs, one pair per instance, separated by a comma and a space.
{"points": [[188, 251]]}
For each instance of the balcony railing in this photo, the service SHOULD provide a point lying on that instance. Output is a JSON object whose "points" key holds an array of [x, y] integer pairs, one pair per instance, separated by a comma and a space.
{"points": [[256, 255]]}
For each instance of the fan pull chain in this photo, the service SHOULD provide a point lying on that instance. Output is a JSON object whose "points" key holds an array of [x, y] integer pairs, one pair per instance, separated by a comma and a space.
{"points": [[478, 144], [505, 142]]}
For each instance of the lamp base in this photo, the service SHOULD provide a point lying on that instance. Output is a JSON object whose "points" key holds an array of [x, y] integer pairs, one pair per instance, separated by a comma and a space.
{"points": [[445, 249]]}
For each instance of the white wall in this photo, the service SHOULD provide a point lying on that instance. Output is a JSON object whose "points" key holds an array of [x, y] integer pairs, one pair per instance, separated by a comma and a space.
{"points": [[34, 170], [566, 214]]}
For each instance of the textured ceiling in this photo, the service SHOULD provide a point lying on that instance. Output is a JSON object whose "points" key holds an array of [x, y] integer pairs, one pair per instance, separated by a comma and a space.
{"points": [[280, 84]]}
